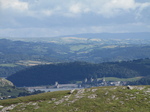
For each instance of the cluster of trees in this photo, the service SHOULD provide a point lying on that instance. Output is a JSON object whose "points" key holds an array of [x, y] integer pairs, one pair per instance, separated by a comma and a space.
{"points": [[75, 71], [7, 71]]}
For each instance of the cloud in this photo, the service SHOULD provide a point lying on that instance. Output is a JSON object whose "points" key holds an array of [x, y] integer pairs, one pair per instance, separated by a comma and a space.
{"points": [[75, 16], [105, 8], [14, 5], [142, 7], [115, 7], [75, 8]]}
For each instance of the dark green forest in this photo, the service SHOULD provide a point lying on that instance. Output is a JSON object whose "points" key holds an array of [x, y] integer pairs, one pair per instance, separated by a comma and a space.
{"points": [[77, 71]]}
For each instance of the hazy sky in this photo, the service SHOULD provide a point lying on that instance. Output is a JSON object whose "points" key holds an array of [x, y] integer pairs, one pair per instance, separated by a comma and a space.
{"points": [[47, 18]]}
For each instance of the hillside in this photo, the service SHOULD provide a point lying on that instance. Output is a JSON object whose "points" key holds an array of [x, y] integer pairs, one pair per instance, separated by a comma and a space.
{"points": [[100, 99], [16, 55], [78, 71]]}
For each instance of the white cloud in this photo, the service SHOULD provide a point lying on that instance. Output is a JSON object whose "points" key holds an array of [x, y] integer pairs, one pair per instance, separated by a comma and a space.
{"points": [[14, 5], [115, 7], [141, 7], [75, 8], [47, 12]]}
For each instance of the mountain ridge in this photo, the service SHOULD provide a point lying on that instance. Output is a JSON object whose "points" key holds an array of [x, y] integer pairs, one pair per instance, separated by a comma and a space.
{"points": [[138, 35]]}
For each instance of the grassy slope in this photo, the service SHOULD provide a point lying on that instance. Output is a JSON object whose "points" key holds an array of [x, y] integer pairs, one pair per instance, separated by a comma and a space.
{"points": [[121, 79], [101, 99]]}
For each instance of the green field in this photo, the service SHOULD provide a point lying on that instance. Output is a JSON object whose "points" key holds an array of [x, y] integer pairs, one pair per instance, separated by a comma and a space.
{"points": [[121, 79], [79, 47], [8, 65], [117, 79]]}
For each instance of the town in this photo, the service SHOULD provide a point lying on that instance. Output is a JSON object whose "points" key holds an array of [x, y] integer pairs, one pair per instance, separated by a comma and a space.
{"points": [[86, 83]]}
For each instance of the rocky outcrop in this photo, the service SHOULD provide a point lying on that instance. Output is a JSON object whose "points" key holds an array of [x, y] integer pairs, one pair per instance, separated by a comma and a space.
{"points": [[4, 82]]}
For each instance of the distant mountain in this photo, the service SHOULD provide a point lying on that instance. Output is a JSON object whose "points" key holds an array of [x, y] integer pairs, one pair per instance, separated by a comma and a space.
{"points": [[77, 71], [135, 35]]}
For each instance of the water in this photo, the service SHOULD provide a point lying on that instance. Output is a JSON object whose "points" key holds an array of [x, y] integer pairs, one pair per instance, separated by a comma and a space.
{"points": [[53, 89]]}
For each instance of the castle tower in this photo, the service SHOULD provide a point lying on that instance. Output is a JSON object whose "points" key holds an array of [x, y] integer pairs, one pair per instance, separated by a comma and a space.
{"points": [[104, 81], [91, 80], [56, 85], [85, 80]]}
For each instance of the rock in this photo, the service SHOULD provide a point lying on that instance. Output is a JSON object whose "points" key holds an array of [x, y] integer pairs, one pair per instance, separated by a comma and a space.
{"points": [[60, 101], [130, 87], [113, 96], [71, 91], [122, 102], [131, 98], [81, 91], [93, 90], [116, 98], [7, 109], [140, 88], [92, 96], [106, 93], [5, 82], [34, 103], [37, 107], [53, 99], [50, 102]]}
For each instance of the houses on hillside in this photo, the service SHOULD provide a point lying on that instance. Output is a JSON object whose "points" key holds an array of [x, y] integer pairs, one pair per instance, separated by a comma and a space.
{"points": [[100, 82]]}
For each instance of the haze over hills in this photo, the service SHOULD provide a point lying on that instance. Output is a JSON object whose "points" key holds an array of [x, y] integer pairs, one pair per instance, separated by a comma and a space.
{"points": [[86, 36], [134, 35]]}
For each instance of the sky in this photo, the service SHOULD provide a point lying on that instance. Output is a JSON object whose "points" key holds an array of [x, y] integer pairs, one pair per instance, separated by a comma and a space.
{"points": [[50, 18]]}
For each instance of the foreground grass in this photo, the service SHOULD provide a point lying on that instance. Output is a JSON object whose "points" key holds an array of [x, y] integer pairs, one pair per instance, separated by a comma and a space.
{"points": [[100, 99], [34, 98]]}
